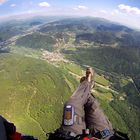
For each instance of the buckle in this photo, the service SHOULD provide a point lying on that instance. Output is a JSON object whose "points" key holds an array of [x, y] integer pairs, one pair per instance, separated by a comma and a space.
{"points": [[105, 133], [72, 134]]}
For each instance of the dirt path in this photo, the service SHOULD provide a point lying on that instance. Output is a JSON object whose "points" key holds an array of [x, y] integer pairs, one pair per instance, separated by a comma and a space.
{"points": [[104, 87], [107, 88], [29, 113], [34, 89], [131, 80]]}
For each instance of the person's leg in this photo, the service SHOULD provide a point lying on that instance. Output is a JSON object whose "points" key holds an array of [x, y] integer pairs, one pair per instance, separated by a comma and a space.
{"points": [[77, 101], [2, 129], [96, 121]]}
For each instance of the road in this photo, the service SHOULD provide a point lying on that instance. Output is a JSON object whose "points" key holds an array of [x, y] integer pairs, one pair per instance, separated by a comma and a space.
{"points": [[99, 85]]}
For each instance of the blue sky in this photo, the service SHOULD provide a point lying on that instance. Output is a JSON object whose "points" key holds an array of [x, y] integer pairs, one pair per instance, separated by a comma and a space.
{"points": [[123, 11]]}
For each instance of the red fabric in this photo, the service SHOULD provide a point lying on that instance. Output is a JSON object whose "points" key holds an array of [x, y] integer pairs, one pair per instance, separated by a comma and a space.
{"points": [[16, 136], [86, 138]]}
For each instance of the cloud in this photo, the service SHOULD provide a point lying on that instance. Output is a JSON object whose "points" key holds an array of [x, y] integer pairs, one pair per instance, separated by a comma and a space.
{"points": [[103, 11], [2, 1], [44, 4], [129, 9], [115, 12], [81, 7], [13, 5]]}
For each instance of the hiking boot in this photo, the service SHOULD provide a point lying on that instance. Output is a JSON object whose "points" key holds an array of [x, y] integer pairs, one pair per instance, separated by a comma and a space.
{"points": [[89, 74]]}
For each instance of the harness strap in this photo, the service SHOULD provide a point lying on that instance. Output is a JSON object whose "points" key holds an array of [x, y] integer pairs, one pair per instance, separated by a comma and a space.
{"points": [[65, 134], [78, 119], [103, 134]]}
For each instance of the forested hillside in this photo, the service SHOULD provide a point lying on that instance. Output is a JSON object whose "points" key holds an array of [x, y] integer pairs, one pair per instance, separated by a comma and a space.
{"points": [[31, 91]]}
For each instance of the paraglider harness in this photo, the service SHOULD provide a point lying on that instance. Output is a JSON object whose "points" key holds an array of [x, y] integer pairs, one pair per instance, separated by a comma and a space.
{"points": [[58, 134], [64, 135], [68, 120]]}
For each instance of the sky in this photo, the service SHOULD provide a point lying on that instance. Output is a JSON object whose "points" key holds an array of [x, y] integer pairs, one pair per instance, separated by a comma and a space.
{"points": [[126, 12]]}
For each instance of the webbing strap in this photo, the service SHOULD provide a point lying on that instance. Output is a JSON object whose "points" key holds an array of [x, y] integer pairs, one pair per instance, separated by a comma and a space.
{"points": [[78, 119], [103, 134]]}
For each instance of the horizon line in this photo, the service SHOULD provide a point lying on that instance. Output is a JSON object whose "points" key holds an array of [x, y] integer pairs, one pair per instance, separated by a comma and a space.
{"points": [[32, 15]]}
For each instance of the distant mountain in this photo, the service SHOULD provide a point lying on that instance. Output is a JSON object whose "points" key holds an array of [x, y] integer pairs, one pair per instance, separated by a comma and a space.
{"points": [[91, 30], [96, 30], [37, 41], [10, 28]]}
